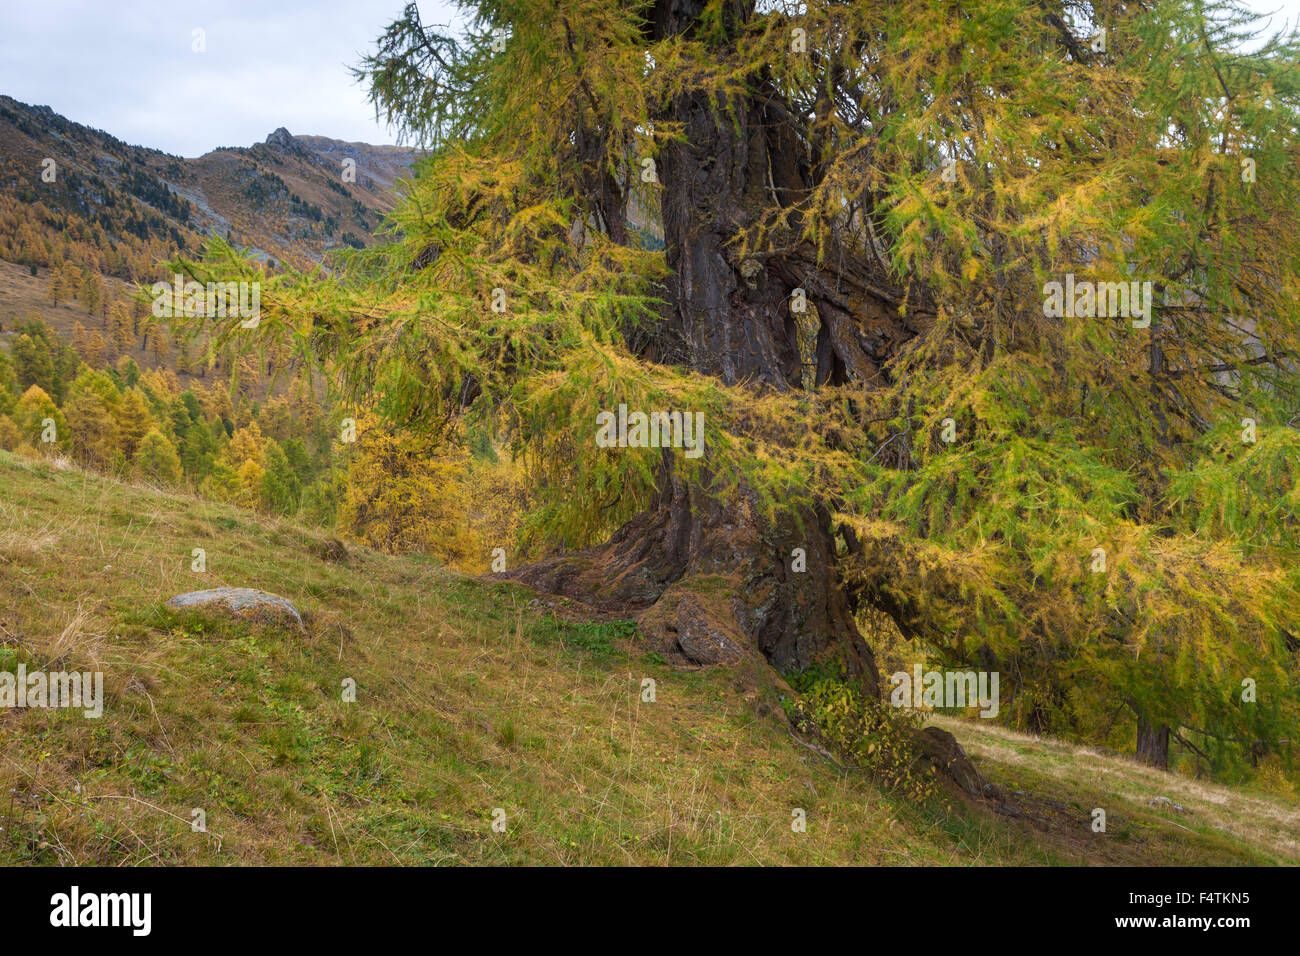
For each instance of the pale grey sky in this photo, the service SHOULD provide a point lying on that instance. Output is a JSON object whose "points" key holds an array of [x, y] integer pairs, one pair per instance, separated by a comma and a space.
{"points": [[127, 66]]}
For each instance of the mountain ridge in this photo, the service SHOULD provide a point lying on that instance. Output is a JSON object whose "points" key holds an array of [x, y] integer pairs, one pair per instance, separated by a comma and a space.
{"points": [[288, 197]]}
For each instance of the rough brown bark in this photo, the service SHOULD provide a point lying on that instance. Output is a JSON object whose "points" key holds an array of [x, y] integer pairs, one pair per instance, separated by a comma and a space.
{"points": [[1153, 744], [712, 582]]}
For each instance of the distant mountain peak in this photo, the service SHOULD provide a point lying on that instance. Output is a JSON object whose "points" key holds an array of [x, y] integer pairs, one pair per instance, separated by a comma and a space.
{"points": [[285, 197], [282, 137]]}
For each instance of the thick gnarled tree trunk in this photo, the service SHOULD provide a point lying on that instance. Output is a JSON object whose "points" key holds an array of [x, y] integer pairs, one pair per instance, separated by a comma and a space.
{"points": [[712, 582]]}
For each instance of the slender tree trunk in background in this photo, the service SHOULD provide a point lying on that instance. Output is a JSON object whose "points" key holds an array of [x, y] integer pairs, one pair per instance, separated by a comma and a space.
{"points": [[1153, 744]]}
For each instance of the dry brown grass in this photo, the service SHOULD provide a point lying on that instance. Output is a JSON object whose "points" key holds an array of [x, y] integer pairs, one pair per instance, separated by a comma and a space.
{"points": [[469, 699], [1258, 818]]}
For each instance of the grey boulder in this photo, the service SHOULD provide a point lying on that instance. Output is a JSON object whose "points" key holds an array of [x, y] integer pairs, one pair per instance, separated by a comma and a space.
{"points": [[244, 601]]}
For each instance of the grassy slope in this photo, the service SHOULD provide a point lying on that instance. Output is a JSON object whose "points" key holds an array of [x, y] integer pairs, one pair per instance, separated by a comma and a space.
{"points": [[469, 699], [24, 296]]}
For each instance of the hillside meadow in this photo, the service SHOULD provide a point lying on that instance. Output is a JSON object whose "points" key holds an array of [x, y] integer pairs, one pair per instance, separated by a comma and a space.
{"points": [[475, 701]]}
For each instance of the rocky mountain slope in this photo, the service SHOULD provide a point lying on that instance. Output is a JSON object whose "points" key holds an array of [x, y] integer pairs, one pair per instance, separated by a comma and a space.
{"points": [[290, 197]]}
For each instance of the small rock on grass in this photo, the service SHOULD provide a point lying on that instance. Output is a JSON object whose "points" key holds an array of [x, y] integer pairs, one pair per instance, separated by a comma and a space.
{"points": [[241, 601]]}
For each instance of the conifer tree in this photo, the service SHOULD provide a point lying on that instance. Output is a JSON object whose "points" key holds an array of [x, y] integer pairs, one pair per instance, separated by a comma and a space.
{"points": [[281, 488], [246, 444], [120, 326], [11, 436], [156, 459], [42, 425], [8, 384], [134, 420], [93, 431], [33, 364], [991, 312], [61, 288]]}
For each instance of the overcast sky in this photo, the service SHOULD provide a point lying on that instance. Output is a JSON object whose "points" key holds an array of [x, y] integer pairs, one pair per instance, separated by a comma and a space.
{"points": [[127, 66]]}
